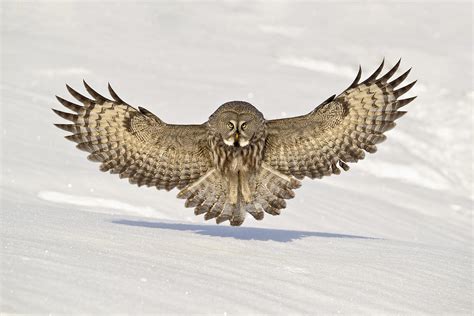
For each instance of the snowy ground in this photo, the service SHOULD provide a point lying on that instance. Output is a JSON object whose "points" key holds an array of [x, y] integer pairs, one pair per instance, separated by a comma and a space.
{"points": [[393, 235]]}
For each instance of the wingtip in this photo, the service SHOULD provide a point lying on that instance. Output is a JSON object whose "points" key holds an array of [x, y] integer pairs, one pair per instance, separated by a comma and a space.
{"points": [[78, 96], [397, 81], [71, 106], [390, 73], [96, 95], [67, 116], [115, 95], [67, 127], [382, 63], [86, 85], [109, 86], [357, 78], [377, 71], [404, 89]]}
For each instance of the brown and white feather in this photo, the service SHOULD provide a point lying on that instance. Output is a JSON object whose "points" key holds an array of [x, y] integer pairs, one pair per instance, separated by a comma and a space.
{"points": [[338, 131]]}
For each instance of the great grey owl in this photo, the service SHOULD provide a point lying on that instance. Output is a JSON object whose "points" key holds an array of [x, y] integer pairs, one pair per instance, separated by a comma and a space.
{"points": [[237, 162]]}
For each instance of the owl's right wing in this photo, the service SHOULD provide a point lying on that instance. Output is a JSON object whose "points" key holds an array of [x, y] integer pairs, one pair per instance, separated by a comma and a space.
{"points": [[339, 130], [136, 144]]}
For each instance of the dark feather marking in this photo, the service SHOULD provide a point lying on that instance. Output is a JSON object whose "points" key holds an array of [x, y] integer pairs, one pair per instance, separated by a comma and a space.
{"points": [[78, 96], [390, 73], [357, 78], [404, 102], [115, 96], [375, 74], [71, 106], [343, 165], [403, 90], [67, 116], [77, 138], [398, 115], [393, 84], [95, 94], [67, 127]]}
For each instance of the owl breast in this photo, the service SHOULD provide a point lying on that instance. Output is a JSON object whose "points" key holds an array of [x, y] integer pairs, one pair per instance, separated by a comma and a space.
{"points": [[230, 159], [239, 166]]}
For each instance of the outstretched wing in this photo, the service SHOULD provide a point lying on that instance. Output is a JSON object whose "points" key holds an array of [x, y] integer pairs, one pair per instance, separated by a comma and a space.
{"points": [[135, 143], [339, 130]]}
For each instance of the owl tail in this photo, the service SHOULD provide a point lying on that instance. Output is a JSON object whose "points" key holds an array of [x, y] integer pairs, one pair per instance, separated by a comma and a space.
{"points": [[211, 195], [232, 199], [271, 190]]}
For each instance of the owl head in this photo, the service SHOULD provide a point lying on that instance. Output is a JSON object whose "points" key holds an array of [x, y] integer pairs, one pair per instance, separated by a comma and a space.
{"points": [[236, 122]]}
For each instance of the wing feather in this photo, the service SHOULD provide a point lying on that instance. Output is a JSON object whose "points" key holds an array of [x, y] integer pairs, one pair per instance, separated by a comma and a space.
{"points": [[339, 130], [135, 144]]}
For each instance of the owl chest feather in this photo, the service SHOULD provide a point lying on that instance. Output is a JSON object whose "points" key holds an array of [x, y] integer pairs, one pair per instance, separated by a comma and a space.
{"points": [[238, 165], [230, 159]]}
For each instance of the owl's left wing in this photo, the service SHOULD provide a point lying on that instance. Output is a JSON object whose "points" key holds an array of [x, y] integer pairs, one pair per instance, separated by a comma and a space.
{"points": [[339, 130], [135, 143]]}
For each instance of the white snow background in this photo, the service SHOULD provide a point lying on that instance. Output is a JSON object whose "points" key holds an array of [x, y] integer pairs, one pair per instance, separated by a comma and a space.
{"points": [[392, 235]]}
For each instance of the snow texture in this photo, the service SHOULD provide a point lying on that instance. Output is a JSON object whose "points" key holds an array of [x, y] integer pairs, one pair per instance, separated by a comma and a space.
{"points": [[392, 235]]}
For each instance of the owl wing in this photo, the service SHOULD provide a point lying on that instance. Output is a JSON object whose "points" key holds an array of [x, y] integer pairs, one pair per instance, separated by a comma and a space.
{"points": [[136, 144], [339, 130]]}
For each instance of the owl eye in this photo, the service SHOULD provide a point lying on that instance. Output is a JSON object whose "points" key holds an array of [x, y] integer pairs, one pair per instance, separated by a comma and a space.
{"points": [[243, 126], [230, 125]]}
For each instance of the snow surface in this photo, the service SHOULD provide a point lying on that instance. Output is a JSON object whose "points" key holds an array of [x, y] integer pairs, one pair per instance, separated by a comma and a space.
{"points": [[393, 235]]}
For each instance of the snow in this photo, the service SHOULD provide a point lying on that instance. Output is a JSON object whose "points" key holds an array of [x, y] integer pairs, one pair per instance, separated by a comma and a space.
{"points": [[392, 235], [93, 202]]}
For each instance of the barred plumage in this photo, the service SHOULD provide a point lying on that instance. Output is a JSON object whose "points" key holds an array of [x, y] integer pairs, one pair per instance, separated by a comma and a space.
{"points": [[237, 162], [134, 143], [339, 130]]}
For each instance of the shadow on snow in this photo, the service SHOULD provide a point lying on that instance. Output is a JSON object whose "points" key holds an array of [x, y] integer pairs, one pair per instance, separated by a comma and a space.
{"points": [[242, 233]]}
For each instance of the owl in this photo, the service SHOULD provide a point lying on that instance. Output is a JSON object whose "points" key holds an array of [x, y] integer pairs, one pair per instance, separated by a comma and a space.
{"points": [[237, 162]]}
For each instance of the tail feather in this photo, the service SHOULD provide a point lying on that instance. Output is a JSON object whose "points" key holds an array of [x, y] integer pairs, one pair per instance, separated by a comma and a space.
{"points": [[273, 188], [207, 195], [216, 209], [226, 213], [210, 195], [255, 210]]}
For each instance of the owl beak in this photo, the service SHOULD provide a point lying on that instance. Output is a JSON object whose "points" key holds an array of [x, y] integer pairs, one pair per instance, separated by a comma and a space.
{"points": [[236, 140]]}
